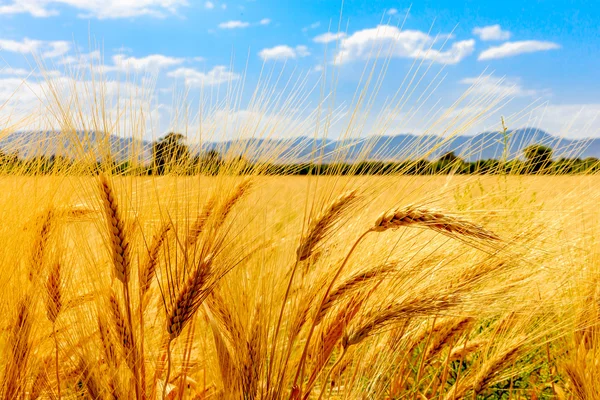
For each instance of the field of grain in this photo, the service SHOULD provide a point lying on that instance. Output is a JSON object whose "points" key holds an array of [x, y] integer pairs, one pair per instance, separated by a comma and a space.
{"points": [[431, 287]]}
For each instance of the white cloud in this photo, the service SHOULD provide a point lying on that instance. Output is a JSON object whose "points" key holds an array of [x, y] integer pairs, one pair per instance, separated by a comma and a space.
{"points": [[501, 87], [57, 49], [216, 76], [33, 104], [102, 9], [568, 120], [26, 46], [329, 37], [233, 25], [283, 52], [265, 21], [14, 71], [154, 62], [392, 11], [390, 41], [49, 49], [312, 26], [491, 32], [224, 6], [209, 5], [510, 49]]}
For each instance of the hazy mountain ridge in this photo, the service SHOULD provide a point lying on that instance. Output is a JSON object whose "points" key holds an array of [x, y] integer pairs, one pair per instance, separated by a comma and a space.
{"points": [[485, 145]]}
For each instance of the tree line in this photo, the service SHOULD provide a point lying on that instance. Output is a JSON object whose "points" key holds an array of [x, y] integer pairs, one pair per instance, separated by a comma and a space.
{"points": [[171, 154]]}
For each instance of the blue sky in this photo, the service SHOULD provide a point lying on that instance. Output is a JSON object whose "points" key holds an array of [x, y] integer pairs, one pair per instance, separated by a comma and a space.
{"points": [[543, 56]]}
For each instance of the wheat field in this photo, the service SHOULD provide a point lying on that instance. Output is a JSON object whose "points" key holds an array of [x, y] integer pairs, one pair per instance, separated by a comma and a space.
{"points": [[179, 287]]}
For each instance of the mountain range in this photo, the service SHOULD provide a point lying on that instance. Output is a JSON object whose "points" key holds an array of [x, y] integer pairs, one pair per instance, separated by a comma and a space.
{"points": [[484, 145]]}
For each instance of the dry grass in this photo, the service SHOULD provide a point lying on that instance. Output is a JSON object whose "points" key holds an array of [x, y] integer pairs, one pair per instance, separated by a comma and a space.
{"points": [[389, 311]]}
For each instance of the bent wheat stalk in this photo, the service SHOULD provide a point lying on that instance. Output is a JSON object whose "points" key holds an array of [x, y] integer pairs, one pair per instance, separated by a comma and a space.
{"points": [[318, 230], [435, 220], [392, 220]]}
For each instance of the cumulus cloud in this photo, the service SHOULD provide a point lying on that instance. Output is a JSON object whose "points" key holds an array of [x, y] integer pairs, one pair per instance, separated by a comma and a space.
{"points": [[48, 49], [491, 32], [392, 11], [502, 87], [329, 37], [216, 76], [101, 9], [209, 5], [510, 49], [265, 21], [283, 52], [234, 25], [387, 40], [153, 62], [25, 46], [57, 49]]}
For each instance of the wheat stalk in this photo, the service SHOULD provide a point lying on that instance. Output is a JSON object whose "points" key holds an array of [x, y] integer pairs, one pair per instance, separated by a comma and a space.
{"points": [[351, 284], [487, 372], [423, 306], [19, 348], [435, 220], [460, 352], [148, 270], [445, 334], [45, 225], [323, 223], [238, 193], [53, 308], [116, 229], [40, 382], [330, 336], [53, 293], [189, 298], [200, 223], [123, 332]]}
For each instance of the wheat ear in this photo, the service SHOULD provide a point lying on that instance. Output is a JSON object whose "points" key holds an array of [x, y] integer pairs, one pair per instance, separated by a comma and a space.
{"points": [[40, 382], [423, 306], [189, 298], [351, 284], [239, 192], [148, 270], [460, 352], [444, 336], [322, 225], [317, 231], [330, 336], [487, 372], [19, 347], [120, 248], [53, 308], [435, 220], [116, 228], [89, 382], [46, 223], [200, 223], [123, 332]]}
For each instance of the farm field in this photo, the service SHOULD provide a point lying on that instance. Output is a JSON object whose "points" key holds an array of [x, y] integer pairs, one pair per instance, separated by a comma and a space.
{"points": [[298, 287]]}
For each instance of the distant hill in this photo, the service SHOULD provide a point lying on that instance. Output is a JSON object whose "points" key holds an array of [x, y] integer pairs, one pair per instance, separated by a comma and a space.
{"points": [[485, 145]]}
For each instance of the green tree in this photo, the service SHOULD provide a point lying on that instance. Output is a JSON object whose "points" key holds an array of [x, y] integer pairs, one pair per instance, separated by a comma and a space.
{"points": [[169, 153], [537, 157]]}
